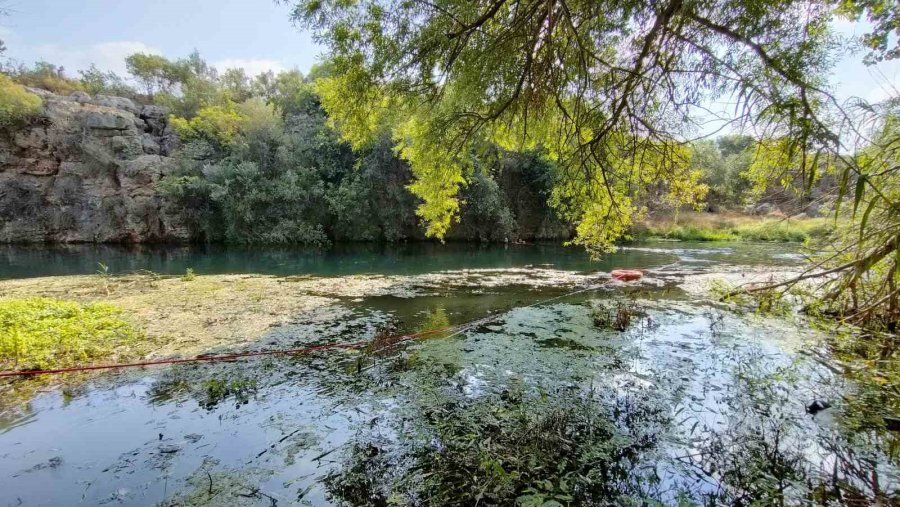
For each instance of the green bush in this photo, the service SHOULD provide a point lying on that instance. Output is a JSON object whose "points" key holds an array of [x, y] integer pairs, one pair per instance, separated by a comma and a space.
{"points": [[51, 333], [16, 103]]}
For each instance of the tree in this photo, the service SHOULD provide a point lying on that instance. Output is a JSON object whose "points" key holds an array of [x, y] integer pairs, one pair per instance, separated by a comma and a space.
{"points": [[884, 16], [610, 88], [613, 90], [156, 73], [857, 270], [95, 81], [723, 164], [236, 85]]}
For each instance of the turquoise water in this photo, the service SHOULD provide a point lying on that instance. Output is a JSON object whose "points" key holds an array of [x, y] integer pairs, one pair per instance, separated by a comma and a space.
{"points": [[25, 261]]}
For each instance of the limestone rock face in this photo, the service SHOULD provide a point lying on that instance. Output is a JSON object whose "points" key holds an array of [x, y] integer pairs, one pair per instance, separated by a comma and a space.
{"points": [[86, 171]]}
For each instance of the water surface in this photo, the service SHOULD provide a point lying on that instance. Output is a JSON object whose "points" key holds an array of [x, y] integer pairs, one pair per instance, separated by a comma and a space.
{"points": [[716, 399], [24, 261]]}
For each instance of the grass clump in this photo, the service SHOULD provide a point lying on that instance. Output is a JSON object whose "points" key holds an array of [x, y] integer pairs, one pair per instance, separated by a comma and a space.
{"points": [[40, 333], [714, 227]]}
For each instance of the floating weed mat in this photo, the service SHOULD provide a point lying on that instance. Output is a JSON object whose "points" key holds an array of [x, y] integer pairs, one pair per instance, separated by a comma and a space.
{"points": [[539, 448], [38, 333]]}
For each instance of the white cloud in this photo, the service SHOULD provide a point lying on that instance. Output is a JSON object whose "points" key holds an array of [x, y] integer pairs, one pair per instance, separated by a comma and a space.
{"points": [[251, 66], [105, 55]]}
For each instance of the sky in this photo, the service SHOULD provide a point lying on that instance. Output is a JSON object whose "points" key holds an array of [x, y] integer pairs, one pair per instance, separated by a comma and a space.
{"points": [[254, 34]]}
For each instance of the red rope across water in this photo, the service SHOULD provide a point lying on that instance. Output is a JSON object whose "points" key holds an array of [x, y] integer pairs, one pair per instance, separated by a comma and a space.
{"points": [[390, 340]]}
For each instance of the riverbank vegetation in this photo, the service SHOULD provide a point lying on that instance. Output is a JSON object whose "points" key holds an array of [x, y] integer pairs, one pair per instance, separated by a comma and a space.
{"points": [[734, 227], [262, 161], [145, 313], [38, 332]]}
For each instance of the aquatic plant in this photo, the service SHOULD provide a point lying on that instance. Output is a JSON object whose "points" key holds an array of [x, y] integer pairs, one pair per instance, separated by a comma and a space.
{"points": [[618, 316], [48, 333], [103, 274], [218, 389], [539, 448], [209, 386], [765, 302], [769, 450]]}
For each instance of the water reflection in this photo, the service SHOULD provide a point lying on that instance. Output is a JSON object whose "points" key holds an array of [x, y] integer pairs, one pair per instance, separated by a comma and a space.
{"points": [[24, 261]]}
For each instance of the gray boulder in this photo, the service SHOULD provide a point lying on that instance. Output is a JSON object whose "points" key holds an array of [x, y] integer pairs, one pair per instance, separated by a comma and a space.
{"points": [[117, 103]]}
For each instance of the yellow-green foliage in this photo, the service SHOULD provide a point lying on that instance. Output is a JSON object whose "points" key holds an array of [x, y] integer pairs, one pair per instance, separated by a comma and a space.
{"points": [[599, 201], [16, 103], [49, 333], [438, 177], [359, 121], [216, 124], [711, 227], [791, 166]]}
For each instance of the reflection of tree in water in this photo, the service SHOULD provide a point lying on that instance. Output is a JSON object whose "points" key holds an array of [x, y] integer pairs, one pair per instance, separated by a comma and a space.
{"points": [[770, 451]]}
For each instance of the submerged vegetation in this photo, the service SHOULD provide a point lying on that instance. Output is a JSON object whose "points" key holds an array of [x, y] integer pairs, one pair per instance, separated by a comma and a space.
{"points": [[50, 333], [531, 449]]}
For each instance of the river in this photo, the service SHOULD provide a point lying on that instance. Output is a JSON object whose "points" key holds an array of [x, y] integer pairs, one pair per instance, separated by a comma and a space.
{"points": [[570, 389]]}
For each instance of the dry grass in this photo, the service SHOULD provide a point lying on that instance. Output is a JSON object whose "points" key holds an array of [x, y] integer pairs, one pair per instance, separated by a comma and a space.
{"points": [[187, 318]]}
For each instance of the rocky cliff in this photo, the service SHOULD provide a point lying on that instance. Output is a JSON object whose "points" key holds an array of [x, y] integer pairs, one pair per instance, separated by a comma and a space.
{"points": [[86, 171]]}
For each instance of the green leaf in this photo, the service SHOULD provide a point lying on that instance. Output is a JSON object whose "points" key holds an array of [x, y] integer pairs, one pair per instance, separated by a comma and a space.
{"points": [[812, 172], [865, 219], [860, 188], [842, 190]]}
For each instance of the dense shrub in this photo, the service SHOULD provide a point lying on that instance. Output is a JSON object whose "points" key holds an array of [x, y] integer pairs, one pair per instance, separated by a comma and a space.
{"points": [[16, 103], [215, 124], [484, 214]]}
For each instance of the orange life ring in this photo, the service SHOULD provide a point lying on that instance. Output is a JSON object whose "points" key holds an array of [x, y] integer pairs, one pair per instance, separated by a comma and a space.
{"points": [[626, 275]]}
